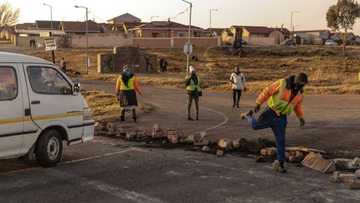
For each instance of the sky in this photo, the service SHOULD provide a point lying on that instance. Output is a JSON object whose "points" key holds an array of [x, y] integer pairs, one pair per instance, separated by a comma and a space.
{"points": [[310, 14]]}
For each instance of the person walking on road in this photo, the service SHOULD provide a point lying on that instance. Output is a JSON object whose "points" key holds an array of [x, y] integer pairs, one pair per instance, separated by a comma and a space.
{"points": [[282, 97], [63, 65], [238, 81], [193, 89], [126, 88]]}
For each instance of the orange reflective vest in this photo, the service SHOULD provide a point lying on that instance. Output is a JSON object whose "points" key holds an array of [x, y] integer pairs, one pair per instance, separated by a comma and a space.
{"points": [[278, 99]]}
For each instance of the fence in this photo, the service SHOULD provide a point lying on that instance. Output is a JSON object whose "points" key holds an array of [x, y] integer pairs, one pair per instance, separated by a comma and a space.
{"points": [[109, 40]]}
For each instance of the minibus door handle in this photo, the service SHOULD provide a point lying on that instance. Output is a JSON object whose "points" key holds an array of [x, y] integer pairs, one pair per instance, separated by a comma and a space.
{"points": [[35, 102]]}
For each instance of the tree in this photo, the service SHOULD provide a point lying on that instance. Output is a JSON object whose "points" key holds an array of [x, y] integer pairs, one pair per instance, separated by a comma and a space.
{"points": [[8, 15], [342, 16]]}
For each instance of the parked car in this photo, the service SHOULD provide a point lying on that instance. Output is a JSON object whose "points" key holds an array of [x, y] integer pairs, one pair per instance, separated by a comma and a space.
{"points": [[40, 108], [331, 43]]}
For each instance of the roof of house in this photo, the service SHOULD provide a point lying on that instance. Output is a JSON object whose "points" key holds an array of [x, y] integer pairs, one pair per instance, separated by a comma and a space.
{"points": [[165, 25], [80, 27], [46, 25], [297, 31], [25, 26], [125, 18]]}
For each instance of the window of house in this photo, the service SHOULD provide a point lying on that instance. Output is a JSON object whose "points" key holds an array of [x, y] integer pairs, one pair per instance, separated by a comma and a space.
{"points": [[155, 34], [8, 83], [47, 80], [181, 34]]}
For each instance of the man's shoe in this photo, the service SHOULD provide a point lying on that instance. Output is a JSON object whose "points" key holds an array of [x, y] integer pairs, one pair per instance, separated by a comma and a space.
{"points": [[134, 119], [247, 115], [122, 118], [190, 119], [279, 167]]}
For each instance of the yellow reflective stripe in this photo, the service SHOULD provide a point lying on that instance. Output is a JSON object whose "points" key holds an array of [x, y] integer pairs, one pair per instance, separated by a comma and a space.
{"points": [[12, 120], [57, 116], [40, 118]]}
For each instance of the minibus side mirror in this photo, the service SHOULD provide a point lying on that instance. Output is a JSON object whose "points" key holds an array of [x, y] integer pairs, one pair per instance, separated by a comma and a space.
{"points": [[76, 88]]}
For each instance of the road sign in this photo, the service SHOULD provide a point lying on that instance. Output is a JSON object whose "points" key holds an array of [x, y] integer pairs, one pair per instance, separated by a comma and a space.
{"points": [[44, 34], [188, 49], [50, 44]]}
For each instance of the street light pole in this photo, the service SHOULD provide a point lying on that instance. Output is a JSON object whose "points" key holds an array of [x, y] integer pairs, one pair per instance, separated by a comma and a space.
{"points": [[87, 35], [152, 17], [211, 10], [189, 37], [51, 14], [292, 24]]}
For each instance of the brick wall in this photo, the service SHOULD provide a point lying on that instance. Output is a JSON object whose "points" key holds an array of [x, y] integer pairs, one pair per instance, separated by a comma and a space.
{"points": [[260, 41], [153, 43], [205, 42], [101, 40], [176, 42]]}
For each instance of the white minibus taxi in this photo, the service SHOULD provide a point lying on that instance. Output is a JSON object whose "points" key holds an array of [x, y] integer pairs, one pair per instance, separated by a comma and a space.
{"points": [[40, 109]]}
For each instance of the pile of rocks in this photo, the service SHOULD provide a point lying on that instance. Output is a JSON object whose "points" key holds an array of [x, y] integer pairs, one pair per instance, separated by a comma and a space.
{"points": [[345, 171]]}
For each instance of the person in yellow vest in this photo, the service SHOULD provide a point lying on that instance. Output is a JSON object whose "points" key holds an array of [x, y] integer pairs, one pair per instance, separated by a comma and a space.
{"points": [[126, 88], [194, 92], [282, 97]]}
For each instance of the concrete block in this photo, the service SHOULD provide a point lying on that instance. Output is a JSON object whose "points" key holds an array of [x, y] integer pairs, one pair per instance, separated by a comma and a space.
{"points": [[225, 144], [317, 162], [296, 157], [354, 184], [357, 174], [305, 149], [172, 136], [220, 152], [347, 164], [236, 144], [339, 177], [157, 132], [206, 149], [268, 152]]}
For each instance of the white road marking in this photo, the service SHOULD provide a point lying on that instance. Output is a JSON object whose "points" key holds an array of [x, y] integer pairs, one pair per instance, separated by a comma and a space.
{"points": [[123, 194], [226, 119], [79, 160], [103, 155]]}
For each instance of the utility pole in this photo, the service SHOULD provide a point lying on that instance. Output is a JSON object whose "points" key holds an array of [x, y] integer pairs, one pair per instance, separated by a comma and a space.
{"points": [[211, 10], [52, 27], [152, 17], [189, 37], [87, 35], [292, 23]]}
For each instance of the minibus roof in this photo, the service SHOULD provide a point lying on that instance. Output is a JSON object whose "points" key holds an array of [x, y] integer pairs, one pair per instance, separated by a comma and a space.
{"points": [[7, 57]]}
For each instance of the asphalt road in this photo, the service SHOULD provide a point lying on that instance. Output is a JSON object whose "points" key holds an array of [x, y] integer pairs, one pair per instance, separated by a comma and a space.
{"points": [[141, 175], [111, 170], [332, 120]]}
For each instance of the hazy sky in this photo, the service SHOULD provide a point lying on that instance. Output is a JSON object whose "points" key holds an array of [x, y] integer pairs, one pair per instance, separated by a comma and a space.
{"points": [[231, 12]]}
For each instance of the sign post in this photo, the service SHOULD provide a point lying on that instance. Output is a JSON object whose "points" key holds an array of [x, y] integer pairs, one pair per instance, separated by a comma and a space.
{"points": [[188, 49], [50, 45]]}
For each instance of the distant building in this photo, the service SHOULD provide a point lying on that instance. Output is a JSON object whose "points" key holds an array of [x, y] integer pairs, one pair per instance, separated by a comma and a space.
{"points": [[215, 32], [76, 27], [255, 35], [124, 18], [316, 37], [165, 29]]}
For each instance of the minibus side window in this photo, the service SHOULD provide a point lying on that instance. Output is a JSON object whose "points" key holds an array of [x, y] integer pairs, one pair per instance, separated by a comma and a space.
{"points": [[47, 80], [8, 83]]}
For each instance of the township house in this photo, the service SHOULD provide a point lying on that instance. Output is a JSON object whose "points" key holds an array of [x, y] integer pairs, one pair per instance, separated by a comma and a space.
{"points": [[314, 37], [33, 34], [255, 35], [163, 29], [121, 31]]}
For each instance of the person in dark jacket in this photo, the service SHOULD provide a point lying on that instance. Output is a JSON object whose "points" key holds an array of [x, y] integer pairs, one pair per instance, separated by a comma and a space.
{"points": [[193, 89]]}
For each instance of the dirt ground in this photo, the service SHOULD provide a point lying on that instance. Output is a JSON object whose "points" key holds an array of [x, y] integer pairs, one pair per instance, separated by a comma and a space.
{"points": [[329, 71]]}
